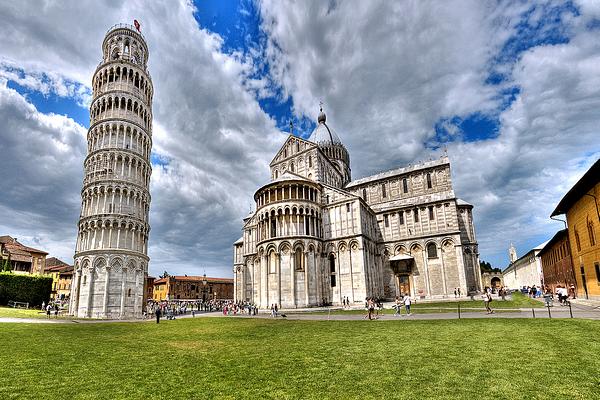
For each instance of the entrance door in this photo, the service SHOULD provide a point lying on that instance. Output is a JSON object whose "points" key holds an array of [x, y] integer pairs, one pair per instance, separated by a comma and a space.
{"points": [[404, 285]]}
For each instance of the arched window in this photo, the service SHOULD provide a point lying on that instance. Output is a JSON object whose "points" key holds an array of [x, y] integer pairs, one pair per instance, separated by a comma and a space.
{"points": [[416, 214], [276, 174], [431, 250], [292, 167], [364, 194], [309, 161], [332, 269], [577, 242], [431, 213], [428, 181], [590, 226], [306, 225], [299, 260], [383, 192], [405, 185], [273, 227], [272, 262]]}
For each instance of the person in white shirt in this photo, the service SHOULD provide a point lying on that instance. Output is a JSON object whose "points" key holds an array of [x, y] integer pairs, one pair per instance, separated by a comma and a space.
{"points": [[406, 301]]}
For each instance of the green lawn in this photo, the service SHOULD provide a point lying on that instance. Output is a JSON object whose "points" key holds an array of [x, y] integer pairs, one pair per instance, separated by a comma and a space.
{"points": [[277, 359], [518, 301], [21, 313]]}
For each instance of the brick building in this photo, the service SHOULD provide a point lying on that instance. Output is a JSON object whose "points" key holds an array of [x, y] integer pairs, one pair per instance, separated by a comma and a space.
{"points": [[192, 288], [557, 265]]}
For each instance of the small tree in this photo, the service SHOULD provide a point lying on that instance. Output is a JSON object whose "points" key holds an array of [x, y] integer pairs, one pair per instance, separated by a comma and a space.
{"points": [[6, 266]]}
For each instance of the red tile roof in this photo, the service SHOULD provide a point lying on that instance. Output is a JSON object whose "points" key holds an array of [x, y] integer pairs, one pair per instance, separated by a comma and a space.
{"points": [[18, 251]]}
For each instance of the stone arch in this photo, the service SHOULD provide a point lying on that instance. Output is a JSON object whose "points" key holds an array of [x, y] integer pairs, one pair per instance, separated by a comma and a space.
{"points": [[400, 249], [284, 247], [432, 249]]}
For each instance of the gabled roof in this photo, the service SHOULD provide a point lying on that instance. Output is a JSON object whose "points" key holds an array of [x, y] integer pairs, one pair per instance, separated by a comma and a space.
{"points": [[18, 251], [310, 145], [53, 261], [583, 185]]}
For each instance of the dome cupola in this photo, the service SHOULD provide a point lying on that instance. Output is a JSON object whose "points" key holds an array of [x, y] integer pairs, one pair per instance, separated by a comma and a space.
{"points": [[329, 142]]}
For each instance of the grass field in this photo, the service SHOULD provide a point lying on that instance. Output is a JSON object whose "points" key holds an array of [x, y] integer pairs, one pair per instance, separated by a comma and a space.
{"points": [[231, 358], [21, 313], [517, 301]]}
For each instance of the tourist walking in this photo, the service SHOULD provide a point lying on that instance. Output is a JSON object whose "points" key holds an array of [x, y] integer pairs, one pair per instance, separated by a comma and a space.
{"points": [[48, 310], [407, 302], [157, 312], [398, 306], [458, 289], [487, 299], [371, 304]]}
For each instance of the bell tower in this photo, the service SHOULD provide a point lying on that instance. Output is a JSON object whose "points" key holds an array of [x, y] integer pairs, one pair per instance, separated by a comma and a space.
{"points": [[111, 260]]}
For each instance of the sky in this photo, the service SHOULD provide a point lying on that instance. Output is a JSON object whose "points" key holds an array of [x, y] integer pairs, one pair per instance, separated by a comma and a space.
{"points": [[511, 90]]}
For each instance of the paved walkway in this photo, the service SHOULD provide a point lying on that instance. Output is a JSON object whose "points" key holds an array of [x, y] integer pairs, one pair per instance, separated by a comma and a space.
{"points": [[579, 308], [556, 312]]}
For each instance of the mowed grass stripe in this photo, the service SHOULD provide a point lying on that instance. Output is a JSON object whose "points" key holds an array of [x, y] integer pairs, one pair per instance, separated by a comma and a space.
{"points": [[258, 358]]}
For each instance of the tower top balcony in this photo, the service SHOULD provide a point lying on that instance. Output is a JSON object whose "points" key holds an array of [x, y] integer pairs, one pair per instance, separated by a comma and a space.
{"points": [[125, 42]]}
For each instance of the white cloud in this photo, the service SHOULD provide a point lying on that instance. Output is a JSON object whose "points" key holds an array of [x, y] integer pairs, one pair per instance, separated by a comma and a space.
{"points": [[389, 71], [207, 124]]}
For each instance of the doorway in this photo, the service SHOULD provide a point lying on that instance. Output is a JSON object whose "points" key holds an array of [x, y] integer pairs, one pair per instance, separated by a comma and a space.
{"points": [[403, 285]]}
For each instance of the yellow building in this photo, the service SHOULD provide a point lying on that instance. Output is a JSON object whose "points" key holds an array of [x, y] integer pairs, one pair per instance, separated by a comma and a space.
{"points": [[581, 205], [62, 274]]}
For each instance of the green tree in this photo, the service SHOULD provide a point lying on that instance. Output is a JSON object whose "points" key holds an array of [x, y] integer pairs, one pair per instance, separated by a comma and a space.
{"points": [[6, 266], [487, 267]]}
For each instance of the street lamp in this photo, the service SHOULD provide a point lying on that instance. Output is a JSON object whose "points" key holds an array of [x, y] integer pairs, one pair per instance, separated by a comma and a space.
{"points": [[204, 288]]}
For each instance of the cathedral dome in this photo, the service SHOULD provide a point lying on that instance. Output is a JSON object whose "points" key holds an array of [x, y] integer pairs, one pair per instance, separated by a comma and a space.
{"points": [[323, 134]]}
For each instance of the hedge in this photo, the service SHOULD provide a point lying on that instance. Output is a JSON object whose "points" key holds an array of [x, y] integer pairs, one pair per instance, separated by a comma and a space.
{"points": [[33, 289]]}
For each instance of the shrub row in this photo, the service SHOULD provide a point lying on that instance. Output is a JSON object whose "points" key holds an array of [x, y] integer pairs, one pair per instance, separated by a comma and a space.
{"points": [[33, 289]]}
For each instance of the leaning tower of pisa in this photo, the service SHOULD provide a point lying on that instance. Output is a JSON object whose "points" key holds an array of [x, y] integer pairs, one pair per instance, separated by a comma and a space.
{"points": [[111, 261]]}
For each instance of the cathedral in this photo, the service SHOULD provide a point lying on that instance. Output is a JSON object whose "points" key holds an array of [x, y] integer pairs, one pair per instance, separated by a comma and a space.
{"points": [[318, 237]]}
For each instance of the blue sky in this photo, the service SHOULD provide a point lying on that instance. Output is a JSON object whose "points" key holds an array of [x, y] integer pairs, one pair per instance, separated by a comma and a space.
{"points": [[509, 89]]}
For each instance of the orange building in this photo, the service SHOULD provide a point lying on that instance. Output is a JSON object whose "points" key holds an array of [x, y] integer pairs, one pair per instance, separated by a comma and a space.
{"points": [[557, 265], [192, 288], [581, 205]]}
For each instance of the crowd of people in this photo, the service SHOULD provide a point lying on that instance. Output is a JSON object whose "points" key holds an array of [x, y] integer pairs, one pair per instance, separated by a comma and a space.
{"points": [[170, 309]]}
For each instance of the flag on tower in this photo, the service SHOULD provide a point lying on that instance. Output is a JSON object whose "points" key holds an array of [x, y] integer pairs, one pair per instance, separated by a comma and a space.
{"points": [[137, 25]]}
